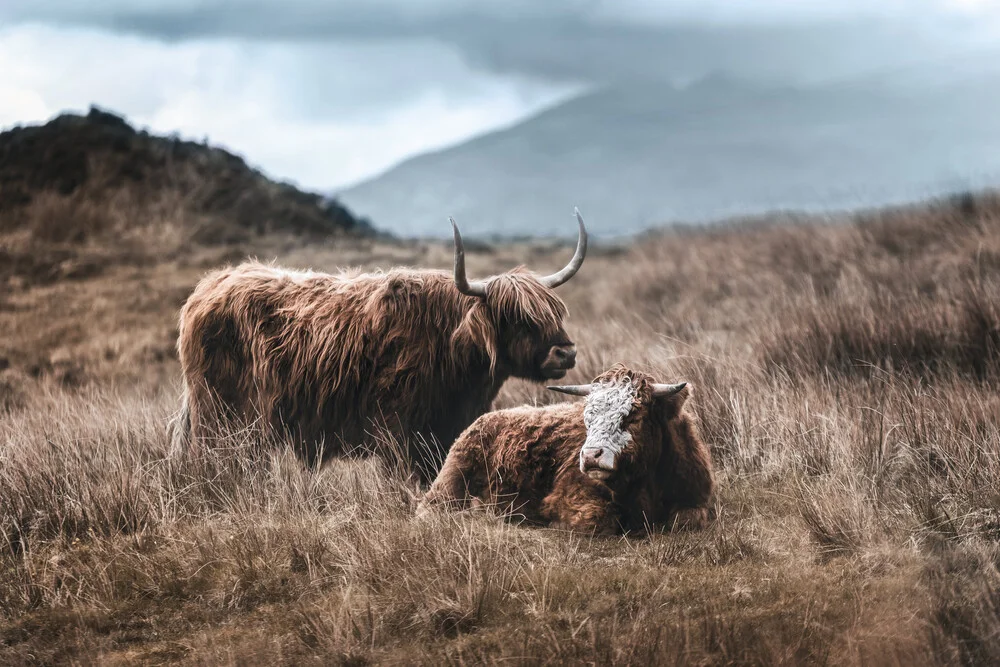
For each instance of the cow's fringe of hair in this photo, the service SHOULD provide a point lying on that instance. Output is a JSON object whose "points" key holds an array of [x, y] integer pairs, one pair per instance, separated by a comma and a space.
{"points": [[512, 296], [518, 293]]}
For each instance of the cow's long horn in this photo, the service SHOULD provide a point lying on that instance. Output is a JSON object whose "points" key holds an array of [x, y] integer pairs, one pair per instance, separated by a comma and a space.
{"points": [[661, 390], [461, 281], [557, 279], [572, 389]]}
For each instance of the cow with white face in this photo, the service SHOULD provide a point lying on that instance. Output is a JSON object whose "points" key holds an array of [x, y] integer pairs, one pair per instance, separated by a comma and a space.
{"points": [[627, 459], [607, 416]]}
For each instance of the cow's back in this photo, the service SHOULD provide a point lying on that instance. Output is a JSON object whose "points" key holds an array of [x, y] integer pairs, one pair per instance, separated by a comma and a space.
{"points": [[329, 358], [511, 458], [250, 338]]}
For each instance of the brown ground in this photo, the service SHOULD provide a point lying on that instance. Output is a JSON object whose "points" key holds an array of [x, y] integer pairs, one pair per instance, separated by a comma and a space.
{"points": [[845, 376]]}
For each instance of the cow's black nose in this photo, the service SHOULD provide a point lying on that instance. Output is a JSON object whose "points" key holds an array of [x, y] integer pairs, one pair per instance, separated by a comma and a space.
{"points": [[566, 355]]}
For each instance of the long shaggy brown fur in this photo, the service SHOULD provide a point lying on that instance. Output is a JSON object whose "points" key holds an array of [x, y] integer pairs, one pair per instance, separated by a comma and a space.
{"points": [[525, 462], [330, 359]]}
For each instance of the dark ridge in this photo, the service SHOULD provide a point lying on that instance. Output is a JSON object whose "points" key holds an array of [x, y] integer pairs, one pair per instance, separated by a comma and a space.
{"points": [[92, 162]]}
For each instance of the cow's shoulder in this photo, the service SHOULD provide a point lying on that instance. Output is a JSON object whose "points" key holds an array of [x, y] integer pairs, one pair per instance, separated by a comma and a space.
{"points": [[527, 418]]}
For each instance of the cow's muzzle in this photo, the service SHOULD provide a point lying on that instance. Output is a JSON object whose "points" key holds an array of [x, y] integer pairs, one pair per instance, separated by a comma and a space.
{"points": [[597, 462], [558, 361]]}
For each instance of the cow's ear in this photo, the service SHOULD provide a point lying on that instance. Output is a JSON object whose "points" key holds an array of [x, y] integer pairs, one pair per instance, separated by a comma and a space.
{"points": [[674, 400], [476, 332]]}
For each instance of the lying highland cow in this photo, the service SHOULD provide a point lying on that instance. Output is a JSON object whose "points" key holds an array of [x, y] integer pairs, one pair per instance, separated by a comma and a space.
{"points": [[628, 459], [331, 359]]}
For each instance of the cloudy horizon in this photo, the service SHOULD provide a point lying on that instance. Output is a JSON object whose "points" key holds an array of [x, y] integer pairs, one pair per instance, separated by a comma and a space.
{"points": [[327, 96]]}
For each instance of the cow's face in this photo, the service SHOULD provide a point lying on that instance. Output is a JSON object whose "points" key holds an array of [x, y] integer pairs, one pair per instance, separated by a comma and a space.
{"points": [[613, 417], [528, 320], [620, 404], [519, 319]]}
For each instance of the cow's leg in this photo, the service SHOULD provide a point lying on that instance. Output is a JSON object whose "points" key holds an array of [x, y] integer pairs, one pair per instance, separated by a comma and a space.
{"points": [[581, 505], [463, 479], [203, 417], [179, 429], [451, 488], [688, 518], [425, 459], [593, 520], [429, 452]]}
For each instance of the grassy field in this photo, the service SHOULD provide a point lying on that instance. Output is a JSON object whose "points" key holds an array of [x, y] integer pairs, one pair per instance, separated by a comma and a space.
{"points": [[844, 373]]}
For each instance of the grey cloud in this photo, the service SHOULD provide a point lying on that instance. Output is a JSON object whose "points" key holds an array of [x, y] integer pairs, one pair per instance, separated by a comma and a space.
{"points": [[355, 80], [585, 41], [274, 19], [297, 17], [619, 54]]}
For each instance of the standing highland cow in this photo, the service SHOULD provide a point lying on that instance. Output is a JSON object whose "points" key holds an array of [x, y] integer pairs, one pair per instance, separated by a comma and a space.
{"points": [[628, 459], [332, 359]]}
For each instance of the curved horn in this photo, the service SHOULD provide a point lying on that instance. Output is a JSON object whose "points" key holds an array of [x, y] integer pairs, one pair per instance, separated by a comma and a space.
{"points": [[461, 281], [557, 279], [572, 389], [661, 390]]}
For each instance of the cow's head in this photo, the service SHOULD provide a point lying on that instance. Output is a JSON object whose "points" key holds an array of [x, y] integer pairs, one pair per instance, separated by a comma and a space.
{"points": [[622, 406], [518, 318]]}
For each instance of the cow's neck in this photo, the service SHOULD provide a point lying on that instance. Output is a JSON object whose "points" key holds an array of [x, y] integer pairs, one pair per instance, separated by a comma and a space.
{"points": [[486, 388], [472, 395]]}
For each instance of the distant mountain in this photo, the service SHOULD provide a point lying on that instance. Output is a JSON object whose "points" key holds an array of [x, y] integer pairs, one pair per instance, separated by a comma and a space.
{"points": [[636, 156], [84, 176]]}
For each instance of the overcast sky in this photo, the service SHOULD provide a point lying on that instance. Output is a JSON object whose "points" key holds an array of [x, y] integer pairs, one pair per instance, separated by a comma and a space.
{"points": [[327, 93]]}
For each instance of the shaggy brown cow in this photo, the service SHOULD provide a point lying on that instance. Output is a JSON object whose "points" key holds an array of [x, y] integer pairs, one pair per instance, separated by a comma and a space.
{"points": [[628, 459], [330, 359]]}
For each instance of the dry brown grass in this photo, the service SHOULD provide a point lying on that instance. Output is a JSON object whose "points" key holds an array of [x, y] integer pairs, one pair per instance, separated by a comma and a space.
{"points": [[845, 376]]}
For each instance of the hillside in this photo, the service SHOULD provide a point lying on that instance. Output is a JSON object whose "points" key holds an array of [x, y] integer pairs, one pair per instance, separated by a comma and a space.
{"points": [[639, 155], [844, 375], [81, 191]]}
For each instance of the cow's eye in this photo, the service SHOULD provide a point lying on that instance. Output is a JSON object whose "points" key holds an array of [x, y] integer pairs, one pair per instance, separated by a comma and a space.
{"points": [[524, 328]]}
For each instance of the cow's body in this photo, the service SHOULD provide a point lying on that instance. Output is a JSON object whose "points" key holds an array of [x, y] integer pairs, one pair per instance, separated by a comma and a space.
{"points": [[335, 359], [527, 462]]}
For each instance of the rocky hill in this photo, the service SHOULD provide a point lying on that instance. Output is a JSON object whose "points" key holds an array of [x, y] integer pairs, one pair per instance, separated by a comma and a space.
{"points": [[92, 182]]}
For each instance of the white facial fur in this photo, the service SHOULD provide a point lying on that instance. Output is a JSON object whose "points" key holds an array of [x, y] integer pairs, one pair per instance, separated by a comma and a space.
{"points": [[607, 406]]}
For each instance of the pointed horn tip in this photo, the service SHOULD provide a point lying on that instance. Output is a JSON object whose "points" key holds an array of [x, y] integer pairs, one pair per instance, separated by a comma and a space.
{"points": [[669, 389], [477, 289], [570, 270], [457, 236], [571, 389]]}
